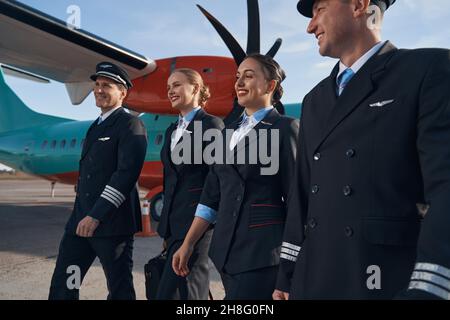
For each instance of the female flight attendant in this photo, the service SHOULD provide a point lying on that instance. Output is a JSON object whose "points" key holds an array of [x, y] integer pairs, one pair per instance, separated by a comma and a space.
{"points": [[183, 184], [246, 202]]}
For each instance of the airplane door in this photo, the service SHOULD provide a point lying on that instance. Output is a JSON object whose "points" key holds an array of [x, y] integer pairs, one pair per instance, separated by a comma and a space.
{"points": [[28, 152]]}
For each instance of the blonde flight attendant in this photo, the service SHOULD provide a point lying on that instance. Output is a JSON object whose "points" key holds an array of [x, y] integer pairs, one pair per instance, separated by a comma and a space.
{"points": [[183, 185]]}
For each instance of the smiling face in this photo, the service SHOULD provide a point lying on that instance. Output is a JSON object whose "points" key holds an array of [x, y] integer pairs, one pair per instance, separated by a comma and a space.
{"points": [[108, 94], [253, 90], [181, 93], [333, 26]]}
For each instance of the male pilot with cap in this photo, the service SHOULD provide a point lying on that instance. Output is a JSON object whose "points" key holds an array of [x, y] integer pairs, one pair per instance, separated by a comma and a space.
{"points": [[106, 213], [372, 215]]}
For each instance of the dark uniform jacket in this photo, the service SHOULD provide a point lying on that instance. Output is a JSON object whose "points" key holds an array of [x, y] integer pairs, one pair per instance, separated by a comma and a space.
{"points": [[367, 161], [250, 206], [111, 162], [183, 183]]}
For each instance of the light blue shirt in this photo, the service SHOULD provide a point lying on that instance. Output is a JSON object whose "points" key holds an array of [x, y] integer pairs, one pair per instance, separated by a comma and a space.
{"points": [[361, 61], [190, 116], [104, 116], [258, 115], [207, 213]]}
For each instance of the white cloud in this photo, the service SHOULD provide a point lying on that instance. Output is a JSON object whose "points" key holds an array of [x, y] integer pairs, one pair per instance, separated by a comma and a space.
{"points": [[435, 40], [328, 65], [297, 47], [427, 9]]}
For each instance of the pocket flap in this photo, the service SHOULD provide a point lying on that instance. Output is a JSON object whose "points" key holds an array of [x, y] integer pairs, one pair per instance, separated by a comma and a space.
{"points": [[390, 231]]}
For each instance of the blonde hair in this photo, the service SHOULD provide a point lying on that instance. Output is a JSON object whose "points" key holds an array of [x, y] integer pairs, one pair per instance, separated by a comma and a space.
{"points": [[195, 78]]}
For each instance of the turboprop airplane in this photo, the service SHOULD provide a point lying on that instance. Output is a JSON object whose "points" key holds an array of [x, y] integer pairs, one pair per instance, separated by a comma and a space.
{"points": [[38, 47]]}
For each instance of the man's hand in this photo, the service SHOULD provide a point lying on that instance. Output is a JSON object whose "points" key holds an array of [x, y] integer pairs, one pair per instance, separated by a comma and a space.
{"points": [[280, 295], [87, 226], [180, 260]]}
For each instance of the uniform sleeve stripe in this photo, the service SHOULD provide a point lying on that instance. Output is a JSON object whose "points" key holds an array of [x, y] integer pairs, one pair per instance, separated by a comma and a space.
{"points": [[430, 288], [435, 268], [431, 277], [114, 196], [289, 251], [288, 257], [291, 246], [116, 192], [105, 196]]}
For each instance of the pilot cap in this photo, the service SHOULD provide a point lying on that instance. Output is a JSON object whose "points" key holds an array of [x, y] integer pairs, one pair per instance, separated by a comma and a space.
{"points": [[113, 72], [305, 6]]}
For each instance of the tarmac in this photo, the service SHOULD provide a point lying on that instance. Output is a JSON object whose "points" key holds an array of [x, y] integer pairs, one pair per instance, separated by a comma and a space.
{"points": [[31, 227]]}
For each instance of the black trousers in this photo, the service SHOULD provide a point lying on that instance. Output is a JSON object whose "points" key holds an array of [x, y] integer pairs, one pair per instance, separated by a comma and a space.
{"points": [[196, 285], [256, 284], [76, 253]]}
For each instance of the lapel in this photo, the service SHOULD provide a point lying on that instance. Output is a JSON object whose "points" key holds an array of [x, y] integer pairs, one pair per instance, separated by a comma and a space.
{"points": [[96, 131], [267, 123], [361, 86], [190, 128], [165, 152], [189, 131]]}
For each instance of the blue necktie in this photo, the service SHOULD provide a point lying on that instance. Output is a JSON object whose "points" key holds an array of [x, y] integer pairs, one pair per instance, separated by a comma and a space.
{"points": [[343, 80], [100, 120]]}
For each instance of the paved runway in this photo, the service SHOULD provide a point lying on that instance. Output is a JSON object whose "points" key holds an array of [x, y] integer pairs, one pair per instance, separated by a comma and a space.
{"points": [[31, 226]]}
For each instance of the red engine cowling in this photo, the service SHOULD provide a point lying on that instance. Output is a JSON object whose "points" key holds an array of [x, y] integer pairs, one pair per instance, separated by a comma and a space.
{"points": [[149, 93]]}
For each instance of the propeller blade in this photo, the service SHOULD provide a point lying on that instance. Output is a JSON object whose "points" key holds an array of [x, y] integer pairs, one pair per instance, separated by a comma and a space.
{"points": [[276, 46], [254, 33], [235, 48]]}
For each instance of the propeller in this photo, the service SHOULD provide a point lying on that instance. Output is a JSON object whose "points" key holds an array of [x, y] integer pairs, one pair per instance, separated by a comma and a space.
{"points": [[253, 45]]}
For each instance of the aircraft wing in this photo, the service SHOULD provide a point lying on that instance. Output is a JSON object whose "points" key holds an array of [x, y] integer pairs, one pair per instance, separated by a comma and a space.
{"points": [[43, 45]]}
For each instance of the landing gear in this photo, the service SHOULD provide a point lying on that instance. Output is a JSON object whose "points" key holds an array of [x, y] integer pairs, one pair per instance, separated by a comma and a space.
{"points": [[53, 189]]}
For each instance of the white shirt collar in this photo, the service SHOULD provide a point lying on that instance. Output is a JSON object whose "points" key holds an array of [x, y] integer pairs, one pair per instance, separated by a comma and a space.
{"points": [[361, 61], [107, 114]]}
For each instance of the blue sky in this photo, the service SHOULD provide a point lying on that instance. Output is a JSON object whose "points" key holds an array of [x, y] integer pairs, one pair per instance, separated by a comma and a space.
{"points": [[160, 29]]}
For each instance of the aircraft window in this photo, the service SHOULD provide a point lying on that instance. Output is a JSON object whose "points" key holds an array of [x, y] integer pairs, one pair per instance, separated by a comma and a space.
{"points": [[158, 139], [53, 145], [73, 143], [44, 144], [156, 117], [63, 144]]}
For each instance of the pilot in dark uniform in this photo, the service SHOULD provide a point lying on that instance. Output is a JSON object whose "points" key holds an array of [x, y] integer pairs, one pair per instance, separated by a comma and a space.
{"points": [[246, 198], [106, 213], [371, 215], [183, 184]]}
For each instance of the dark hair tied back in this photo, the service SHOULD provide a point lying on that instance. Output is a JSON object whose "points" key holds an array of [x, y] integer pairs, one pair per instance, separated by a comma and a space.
{"points": [[273, 71]]}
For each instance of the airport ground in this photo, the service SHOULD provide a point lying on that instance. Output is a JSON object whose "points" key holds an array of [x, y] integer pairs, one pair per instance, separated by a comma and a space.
{"points": [[31, 227]]}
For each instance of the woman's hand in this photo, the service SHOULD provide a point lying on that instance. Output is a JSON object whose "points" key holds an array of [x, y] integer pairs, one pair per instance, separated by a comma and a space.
{"points": [[180, 260]]}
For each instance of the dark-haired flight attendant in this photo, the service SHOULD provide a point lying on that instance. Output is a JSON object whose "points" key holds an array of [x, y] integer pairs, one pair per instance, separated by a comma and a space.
{"points": [[246, 203], [183, 185]]}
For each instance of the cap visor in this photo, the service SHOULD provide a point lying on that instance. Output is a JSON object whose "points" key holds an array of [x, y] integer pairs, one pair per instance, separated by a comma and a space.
{"points": [[305, 8], [95, 76]]}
